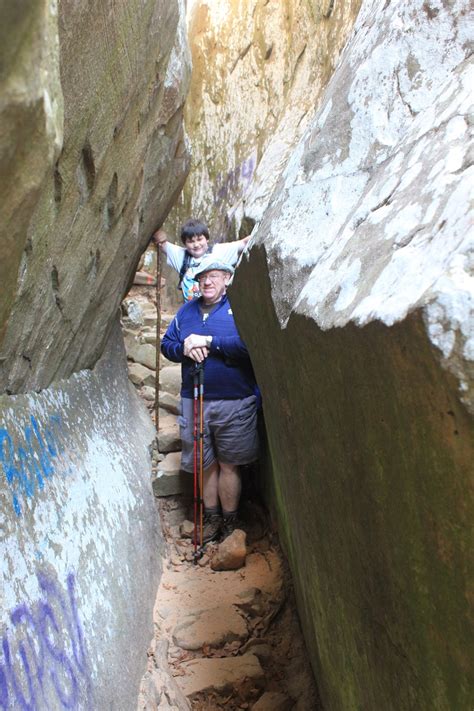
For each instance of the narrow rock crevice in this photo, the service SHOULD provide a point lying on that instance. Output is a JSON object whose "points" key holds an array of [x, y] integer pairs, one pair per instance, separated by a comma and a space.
{"points": [[227, 632]]}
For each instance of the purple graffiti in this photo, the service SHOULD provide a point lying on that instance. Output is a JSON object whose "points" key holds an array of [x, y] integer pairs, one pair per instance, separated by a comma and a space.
{"points": [[43, 659], [31, 462], [229, 186]]}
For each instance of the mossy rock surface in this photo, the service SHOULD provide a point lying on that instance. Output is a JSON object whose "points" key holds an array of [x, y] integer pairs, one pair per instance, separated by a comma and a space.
{"points": [[369, 470]]}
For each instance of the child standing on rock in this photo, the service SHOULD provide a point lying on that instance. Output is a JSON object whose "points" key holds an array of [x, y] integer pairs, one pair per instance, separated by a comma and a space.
{"points": [[187, 260]]}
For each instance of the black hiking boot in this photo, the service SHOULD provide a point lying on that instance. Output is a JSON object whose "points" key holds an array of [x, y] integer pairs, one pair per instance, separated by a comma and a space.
{"points": [[211, 527], [230, 522], [254, 521]]}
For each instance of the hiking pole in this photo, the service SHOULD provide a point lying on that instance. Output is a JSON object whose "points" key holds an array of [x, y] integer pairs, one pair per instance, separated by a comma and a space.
{"points": [[195, 466], [201, 450], [158, 336], [198, 380]]}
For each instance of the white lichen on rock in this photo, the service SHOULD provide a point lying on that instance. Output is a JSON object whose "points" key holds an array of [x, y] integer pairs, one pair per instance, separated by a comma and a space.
{"points": [[371, 215], [258, 71]]}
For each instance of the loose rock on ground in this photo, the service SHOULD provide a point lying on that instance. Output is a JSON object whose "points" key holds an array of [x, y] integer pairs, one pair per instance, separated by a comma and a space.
{"points": [[227, 634]]}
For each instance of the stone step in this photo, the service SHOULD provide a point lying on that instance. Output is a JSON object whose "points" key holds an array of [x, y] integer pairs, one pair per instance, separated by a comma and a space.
{"points": [[141, 375], [169, 439], [143, 353], [149, 338], [140, 312], [166, 320], [149, 319], [213, 628], [170, 480], [170, 379], [148, 393], [221, 674], [171, 403]]}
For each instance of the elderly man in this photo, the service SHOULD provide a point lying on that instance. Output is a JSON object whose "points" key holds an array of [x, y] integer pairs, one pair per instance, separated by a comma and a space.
{"points": [[204, 331]]}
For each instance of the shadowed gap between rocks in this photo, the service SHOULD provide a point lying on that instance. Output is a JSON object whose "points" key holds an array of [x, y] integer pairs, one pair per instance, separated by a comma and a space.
{"points": [[227, 633]]}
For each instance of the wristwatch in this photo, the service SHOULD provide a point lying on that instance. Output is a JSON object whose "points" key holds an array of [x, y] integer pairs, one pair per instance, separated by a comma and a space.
{"points": [[208, 341]]}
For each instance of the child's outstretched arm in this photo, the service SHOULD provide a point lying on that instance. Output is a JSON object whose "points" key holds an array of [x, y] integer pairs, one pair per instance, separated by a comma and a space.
{"points": [[160, 238], [241, 243]]}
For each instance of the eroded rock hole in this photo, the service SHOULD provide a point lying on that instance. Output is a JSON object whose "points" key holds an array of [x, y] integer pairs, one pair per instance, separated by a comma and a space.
{"points": [[86, 173], [55, 286], [58, 186], [110, 204]]}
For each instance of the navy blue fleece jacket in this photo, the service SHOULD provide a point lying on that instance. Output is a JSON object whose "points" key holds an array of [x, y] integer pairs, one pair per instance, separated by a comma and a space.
{"points": [[228, 373]]}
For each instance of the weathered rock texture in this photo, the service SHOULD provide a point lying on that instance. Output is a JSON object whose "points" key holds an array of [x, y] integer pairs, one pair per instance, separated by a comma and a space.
{"points": [[80, 192], [31, 120], [92, 155], [259, 69], [80, 554], [362, 289]]}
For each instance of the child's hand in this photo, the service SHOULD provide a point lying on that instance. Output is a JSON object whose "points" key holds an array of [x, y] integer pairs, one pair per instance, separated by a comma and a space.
{"points": [[160, 237], [242, 243]]}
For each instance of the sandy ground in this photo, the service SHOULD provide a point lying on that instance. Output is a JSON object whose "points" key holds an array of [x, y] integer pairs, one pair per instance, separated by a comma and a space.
{"points": [[228, 639], [246, 615]]}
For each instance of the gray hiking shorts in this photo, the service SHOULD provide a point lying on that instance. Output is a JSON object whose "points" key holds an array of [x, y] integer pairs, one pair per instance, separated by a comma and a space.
{"points": [[230, 432]]}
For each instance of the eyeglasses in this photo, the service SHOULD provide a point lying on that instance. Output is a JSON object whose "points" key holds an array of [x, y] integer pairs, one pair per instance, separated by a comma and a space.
{"points": [[211, 277]]}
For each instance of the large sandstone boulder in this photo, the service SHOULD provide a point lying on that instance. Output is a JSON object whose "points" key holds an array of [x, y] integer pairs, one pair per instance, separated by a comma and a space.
{"points": [[92, 154], [81, 545], [259, 68], [31, 127], [361, 286], [83, 189]]}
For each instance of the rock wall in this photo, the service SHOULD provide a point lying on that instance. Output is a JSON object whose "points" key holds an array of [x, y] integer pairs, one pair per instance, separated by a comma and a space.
{"points": [[92, 155], [31, 120], [360, 280], [259, 69], [81, 547]]}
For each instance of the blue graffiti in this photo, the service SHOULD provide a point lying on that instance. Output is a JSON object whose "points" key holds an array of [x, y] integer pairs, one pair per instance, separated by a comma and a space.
{"points": [[29, 464], [43, 659]]}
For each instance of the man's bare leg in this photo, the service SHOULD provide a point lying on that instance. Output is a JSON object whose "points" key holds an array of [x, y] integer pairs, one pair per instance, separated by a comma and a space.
{"points": [[211, 486], [212, 507], [222, 487], [229, 486]]}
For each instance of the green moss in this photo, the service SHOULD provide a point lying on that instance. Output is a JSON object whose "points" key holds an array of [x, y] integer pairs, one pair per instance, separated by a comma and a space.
{"points": [[372, 460]]}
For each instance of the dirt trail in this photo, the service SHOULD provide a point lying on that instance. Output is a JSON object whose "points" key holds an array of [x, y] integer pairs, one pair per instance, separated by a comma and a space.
{"points": [[227, 639], [233, 638]]}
